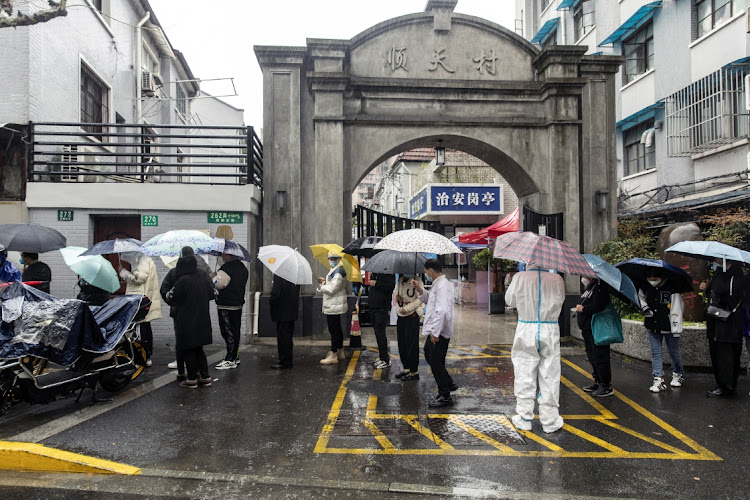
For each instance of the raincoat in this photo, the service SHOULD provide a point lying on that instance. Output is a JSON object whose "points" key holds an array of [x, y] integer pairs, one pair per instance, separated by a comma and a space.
{"points": [[538, 296], [142, 280], [334, 292]]}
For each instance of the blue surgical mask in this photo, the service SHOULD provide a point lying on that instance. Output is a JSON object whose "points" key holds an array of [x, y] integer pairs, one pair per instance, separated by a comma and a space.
{"points": [[20, 261], [333, 262], [427, 279]]}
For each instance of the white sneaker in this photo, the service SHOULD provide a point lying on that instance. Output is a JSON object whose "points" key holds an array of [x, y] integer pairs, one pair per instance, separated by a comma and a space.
{"points": [[226, 365], [520, 423], [149, 363], [380, 364], [172, 365], [677, 380], [330, 359], [658, 385]]}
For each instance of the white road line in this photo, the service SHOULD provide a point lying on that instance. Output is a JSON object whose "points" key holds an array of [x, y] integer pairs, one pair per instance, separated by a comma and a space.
{"points": [[45, 431]]}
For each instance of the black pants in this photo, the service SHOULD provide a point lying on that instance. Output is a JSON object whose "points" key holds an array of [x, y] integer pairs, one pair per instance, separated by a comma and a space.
{"points": [[725, 360], [598, 357], [407, 334], [337, 334], [179, 358], [230, 323], [435, 356], [196, 362], [284, 334], [379, 321], [147, 338]]}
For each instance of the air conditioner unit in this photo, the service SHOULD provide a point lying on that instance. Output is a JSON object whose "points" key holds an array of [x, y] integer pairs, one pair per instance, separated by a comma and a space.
{"points": [[148, 83]]}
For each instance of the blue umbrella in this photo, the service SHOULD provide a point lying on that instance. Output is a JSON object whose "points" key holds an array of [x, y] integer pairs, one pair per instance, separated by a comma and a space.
{"points": [[619, 284], [710, 250], [639, 270]]}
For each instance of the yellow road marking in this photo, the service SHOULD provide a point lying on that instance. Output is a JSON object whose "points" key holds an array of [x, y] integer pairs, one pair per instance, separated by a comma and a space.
{"points": [[605, 416], [40, 458], [593, 439], [325, 434], [379, 436]]}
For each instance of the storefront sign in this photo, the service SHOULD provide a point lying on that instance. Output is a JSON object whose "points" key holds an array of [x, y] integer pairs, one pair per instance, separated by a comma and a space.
{"points": [[225, 217], [150, 220], [457, 199], [418, 204], [65, 215]]}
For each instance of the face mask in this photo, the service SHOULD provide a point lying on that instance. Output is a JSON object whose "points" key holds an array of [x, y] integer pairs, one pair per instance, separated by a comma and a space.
{"points": [[20, 261], [585, 281], [714, 266], [654, 282], [333, 262], [428, 278]]}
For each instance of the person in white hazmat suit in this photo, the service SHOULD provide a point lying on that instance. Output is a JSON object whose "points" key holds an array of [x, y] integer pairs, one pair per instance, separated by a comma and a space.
{"points": [[538, 295]]}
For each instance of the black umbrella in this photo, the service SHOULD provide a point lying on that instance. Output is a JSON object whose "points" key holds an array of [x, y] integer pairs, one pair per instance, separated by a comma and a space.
{"points": [[393, 262], [31, 238], [363, 247], [639, 270]]}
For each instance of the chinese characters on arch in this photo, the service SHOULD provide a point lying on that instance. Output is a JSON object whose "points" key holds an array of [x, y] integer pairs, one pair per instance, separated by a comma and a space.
{"points": [[441, 60]]}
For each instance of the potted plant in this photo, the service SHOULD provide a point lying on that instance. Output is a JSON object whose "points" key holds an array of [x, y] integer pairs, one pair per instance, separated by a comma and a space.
{"points": [[498, 268]]}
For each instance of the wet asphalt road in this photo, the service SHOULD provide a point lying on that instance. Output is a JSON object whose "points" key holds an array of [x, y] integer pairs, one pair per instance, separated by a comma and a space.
{"points": [[303, 427]]}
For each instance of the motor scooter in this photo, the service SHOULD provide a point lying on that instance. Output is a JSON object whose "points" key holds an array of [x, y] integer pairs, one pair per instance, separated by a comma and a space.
{"points": [[101, 348]]}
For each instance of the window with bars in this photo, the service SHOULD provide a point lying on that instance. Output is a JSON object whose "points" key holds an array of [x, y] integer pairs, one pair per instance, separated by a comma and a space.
{"points": [[708, 113], [545, 3], [638, 157], [181, 100], [94, 100], [639, 53], [713, 13], [584, 18]]}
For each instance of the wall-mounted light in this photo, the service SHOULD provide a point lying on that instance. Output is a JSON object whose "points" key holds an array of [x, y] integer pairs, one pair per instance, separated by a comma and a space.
{"points": [[439, 157], [602, 201], [281, 201]]}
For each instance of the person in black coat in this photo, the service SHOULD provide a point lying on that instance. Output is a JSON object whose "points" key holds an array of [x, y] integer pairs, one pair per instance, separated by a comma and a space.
{"points": [[91, 294], [36, 270], [726, 291], [284, 304], [229, 305], [594, 299], [379, 302], [191, 296]]}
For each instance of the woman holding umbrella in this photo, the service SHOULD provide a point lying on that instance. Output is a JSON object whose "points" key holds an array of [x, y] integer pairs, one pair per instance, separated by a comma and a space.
{"points": [[335, 305], [594, 299], [724, 325]]}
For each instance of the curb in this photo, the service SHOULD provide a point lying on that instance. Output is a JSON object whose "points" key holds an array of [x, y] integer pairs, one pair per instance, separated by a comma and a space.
{"points": [[36, 457]]}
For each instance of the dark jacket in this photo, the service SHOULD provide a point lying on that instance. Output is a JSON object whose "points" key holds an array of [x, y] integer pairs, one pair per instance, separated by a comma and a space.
{"points": [[191, 295], [594, 299], [91, 294], [234, 293], [171, 278], [284, 300], [727, 291], [38, 271], [381, 295]]}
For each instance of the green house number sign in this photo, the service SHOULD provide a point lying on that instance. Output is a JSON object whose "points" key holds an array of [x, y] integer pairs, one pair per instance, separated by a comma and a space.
{"points": [[225, 217], [150, 220], [65, 215]]}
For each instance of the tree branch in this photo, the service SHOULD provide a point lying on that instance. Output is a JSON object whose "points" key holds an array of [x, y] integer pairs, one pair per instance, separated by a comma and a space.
{"points": [[39, 17]]}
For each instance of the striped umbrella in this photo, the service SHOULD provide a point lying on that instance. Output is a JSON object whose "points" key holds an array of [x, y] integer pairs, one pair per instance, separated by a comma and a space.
{"points": [[543, 251]]}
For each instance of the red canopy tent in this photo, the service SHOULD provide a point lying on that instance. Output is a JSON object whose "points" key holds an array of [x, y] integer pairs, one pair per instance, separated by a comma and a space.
{"points": [[507, 224]]}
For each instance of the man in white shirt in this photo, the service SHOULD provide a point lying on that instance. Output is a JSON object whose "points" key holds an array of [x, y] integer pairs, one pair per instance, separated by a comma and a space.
{"points": [[438, 328]]}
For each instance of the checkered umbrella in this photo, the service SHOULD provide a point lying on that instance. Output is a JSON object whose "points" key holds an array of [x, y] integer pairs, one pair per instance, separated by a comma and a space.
{"points": [[543, 251]]}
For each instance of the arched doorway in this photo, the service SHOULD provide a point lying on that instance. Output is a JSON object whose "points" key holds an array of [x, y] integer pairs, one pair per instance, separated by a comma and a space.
{"points": [[335, 108]]}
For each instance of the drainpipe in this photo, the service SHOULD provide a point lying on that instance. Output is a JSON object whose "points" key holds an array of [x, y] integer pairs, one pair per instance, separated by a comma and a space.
{"points": [[562, 23], [747, 107], [138, 63], [256, 307]]}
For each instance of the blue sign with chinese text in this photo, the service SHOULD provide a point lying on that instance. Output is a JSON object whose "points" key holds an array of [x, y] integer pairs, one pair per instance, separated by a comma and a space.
{"points": [[418, 204], [463, 199]]}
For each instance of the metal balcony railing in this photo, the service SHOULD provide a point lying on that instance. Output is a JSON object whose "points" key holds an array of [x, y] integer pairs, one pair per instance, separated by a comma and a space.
{"points": [[126, 152]]}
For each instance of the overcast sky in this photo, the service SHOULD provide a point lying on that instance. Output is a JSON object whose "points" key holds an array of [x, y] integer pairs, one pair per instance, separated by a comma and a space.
{"points": [[217, 37]]}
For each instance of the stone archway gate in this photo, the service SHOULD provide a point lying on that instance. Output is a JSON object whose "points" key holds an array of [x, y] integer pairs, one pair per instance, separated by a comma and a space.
{"points": [[334, 109]]}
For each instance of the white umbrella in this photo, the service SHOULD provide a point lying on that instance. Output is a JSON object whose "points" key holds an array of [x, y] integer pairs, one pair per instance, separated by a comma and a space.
{"points": [[286, 263], [418, 240]]}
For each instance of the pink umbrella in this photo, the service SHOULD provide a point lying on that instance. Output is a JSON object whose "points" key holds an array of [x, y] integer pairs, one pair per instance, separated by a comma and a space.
{"points": [[543, 251]]}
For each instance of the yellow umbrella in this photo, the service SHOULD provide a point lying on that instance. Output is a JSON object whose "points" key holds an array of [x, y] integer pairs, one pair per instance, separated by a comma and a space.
{"points": [[351, 266]]}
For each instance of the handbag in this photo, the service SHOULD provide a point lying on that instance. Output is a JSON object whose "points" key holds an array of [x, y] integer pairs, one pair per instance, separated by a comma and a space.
{"points": [[718, 313], [606, 327]]}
